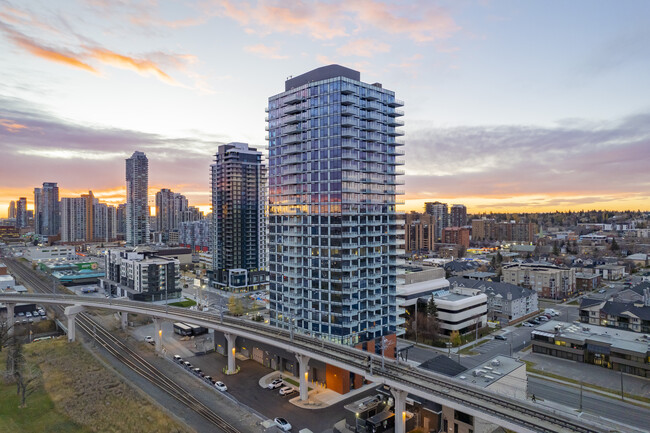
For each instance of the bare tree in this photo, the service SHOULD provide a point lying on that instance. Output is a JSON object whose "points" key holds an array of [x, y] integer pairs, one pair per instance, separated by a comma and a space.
{"points": [[27, 380], [5, 336]]}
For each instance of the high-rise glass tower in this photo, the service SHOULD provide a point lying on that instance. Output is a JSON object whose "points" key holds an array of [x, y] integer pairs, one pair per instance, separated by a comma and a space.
{"points": [[22, 218], [238, 218], [441, 214], [12, 209], [137, 199], [333, 236], [46, 210]]}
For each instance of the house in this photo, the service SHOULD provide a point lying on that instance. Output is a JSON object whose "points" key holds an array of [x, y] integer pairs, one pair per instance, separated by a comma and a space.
{"points": [[611, 272]]}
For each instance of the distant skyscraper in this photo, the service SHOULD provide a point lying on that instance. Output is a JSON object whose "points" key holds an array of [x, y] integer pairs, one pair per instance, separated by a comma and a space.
{"points": [[89, 217], [46, 210], [441, 214], [171, 210], [22, 218], [333, 238], [137, 199], [121, 220], [239, 217], [458, 215], [73, 219], [12, 210]]}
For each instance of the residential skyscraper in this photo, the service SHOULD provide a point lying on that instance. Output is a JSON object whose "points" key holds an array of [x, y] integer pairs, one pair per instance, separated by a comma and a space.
{"points": [[73, 219], [441, 214], [46, 209], [333, 237], [171, 209], [21, 213], [458, 215], [89, 216], [12, 210], [137, 199], [238, 218]]}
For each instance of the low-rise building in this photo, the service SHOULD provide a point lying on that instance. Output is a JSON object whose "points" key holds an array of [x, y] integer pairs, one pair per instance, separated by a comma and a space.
{"points": [[456, 235], [141, 275], [462, 310], [507, 303], [549, 281], [51, 253], [7, 282], [615, 349], [587, 282], [611, 272]]}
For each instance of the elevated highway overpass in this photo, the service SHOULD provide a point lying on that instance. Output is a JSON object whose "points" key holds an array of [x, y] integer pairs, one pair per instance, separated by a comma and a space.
{"points": [[513, 414]]}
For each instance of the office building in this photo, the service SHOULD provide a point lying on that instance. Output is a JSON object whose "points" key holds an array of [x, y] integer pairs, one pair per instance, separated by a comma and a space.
{"points": [[137, 199], [441, 214], [333, 226], [458, 215], [22, 217], [239, 250], [46, 210], [12, 210]]}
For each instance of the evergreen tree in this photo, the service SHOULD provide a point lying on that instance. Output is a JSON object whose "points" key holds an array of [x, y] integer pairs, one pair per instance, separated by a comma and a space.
{"points": [[432, 310], [614, 246]]}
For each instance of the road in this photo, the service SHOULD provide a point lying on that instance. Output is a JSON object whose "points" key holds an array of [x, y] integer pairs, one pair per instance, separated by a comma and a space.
{"points": [[593, 403]]}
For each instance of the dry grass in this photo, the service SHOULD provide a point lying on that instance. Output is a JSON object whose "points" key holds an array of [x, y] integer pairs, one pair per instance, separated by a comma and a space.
{"points": [[93, 396]]}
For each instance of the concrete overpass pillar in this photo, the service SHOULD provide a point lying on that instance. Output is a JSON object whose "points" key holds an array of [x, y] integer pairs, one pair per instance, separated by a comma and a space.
{"points": [[10, 318], [303, 362], [124, 320], [157, 326], [71, 313], [210, 341], [231, 353], [400, 409]]}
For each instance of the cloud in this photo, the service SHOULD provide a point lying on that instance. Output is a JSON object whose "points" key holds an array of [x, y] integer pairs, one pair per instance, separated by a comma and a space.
{"points": [[419, 21], [86, 51], [11, 126], [265, 51], [578, 158], [141, 66], [81, 157], [363, 48]]}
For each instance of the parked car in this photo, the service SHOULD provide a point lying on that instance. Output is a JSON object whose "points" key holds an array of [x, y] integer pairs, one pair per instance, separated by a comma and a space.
{"points": [[283, 424], [178, 359], [187, 365], [535, 321], [198, 372], [602, 291], [221, 386], [149, 339], [208, 379], [28, 314], [527, 324], [500, 337], [287, 390], [542, 319], [277, 383]]}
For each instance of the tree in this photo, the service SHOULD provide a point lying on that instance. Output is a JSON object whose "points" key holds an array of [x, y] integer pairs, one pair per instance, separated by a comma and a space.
{"points": [[235, 306], [454, 337], [556, 249], [614, 246], [4, 334], [432, 310]]}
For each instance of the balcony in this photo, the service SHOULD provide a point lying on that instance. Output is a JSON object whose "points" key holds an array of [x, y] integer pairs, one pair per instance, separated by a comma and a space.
{"points": [[393, 121], [395, 133], [395, 113], [293, 99], [396, 103], [349, 100], [294, 118]]}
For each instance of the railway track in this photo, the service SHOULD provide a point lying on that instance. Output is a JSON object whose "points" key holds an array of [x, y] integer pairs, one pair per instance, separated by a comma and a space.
{"points": [[126, 355], [428, 383]]}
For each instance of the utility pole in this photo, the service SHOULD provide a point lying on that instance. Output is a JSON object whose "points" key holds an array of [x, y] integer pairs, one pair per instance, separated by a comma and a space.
{"points": [[622, 393], [580, 396]]}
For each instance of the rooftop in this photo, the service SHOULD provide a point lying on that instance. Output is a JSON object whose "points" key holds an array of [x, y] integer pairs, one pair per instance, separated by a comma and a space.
{"points": [[613, 337], [489, 372]]}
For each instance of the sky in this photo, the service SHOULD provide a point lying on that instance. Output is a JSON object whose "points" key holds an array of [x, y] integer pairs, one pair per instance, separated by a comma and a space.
{"points": [[509, 106]]}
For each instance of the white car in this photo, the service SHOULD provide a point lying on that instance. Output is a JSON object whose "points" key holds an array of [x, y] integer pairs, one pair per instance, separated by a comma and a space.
{"points": [[221, 386], [277, 383], [527, 324], [149, 339], [287, 390], [283, 424]]}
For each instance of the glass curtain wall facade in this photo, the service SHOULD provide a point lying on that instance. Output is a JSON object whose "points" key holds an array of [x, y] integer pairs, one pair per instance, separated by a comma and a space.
{"points": [[137, 199], [334, 162], [46, 210], [239, 239]]}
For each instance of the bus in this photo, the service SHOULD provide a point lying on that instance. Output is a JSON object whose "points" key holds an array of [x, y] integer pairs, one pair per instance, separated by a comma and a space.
{"points": [[197, 330], [182, 329]]}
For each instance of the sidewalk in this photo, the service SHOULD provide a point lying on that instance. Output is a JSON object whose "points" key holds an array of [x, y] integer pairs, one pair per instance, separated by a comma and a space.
{"points": [[318, 397]]}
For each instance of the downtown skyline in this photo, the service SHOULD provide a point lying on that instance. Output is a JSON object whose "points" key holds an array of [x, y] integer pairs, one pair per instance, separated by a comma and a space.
{"points": [[510, 107]]}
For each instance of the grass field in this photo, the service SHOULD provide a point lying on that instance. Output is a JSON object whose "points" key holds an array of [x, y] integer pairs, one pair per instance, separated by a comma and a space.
{"points": [[79, 395], [186, 303]]}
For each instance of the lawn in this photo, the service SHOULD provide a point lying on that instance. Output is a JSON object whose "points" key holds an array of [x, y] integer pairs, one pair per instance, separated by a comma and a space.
{"points": [[185, 304]]}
